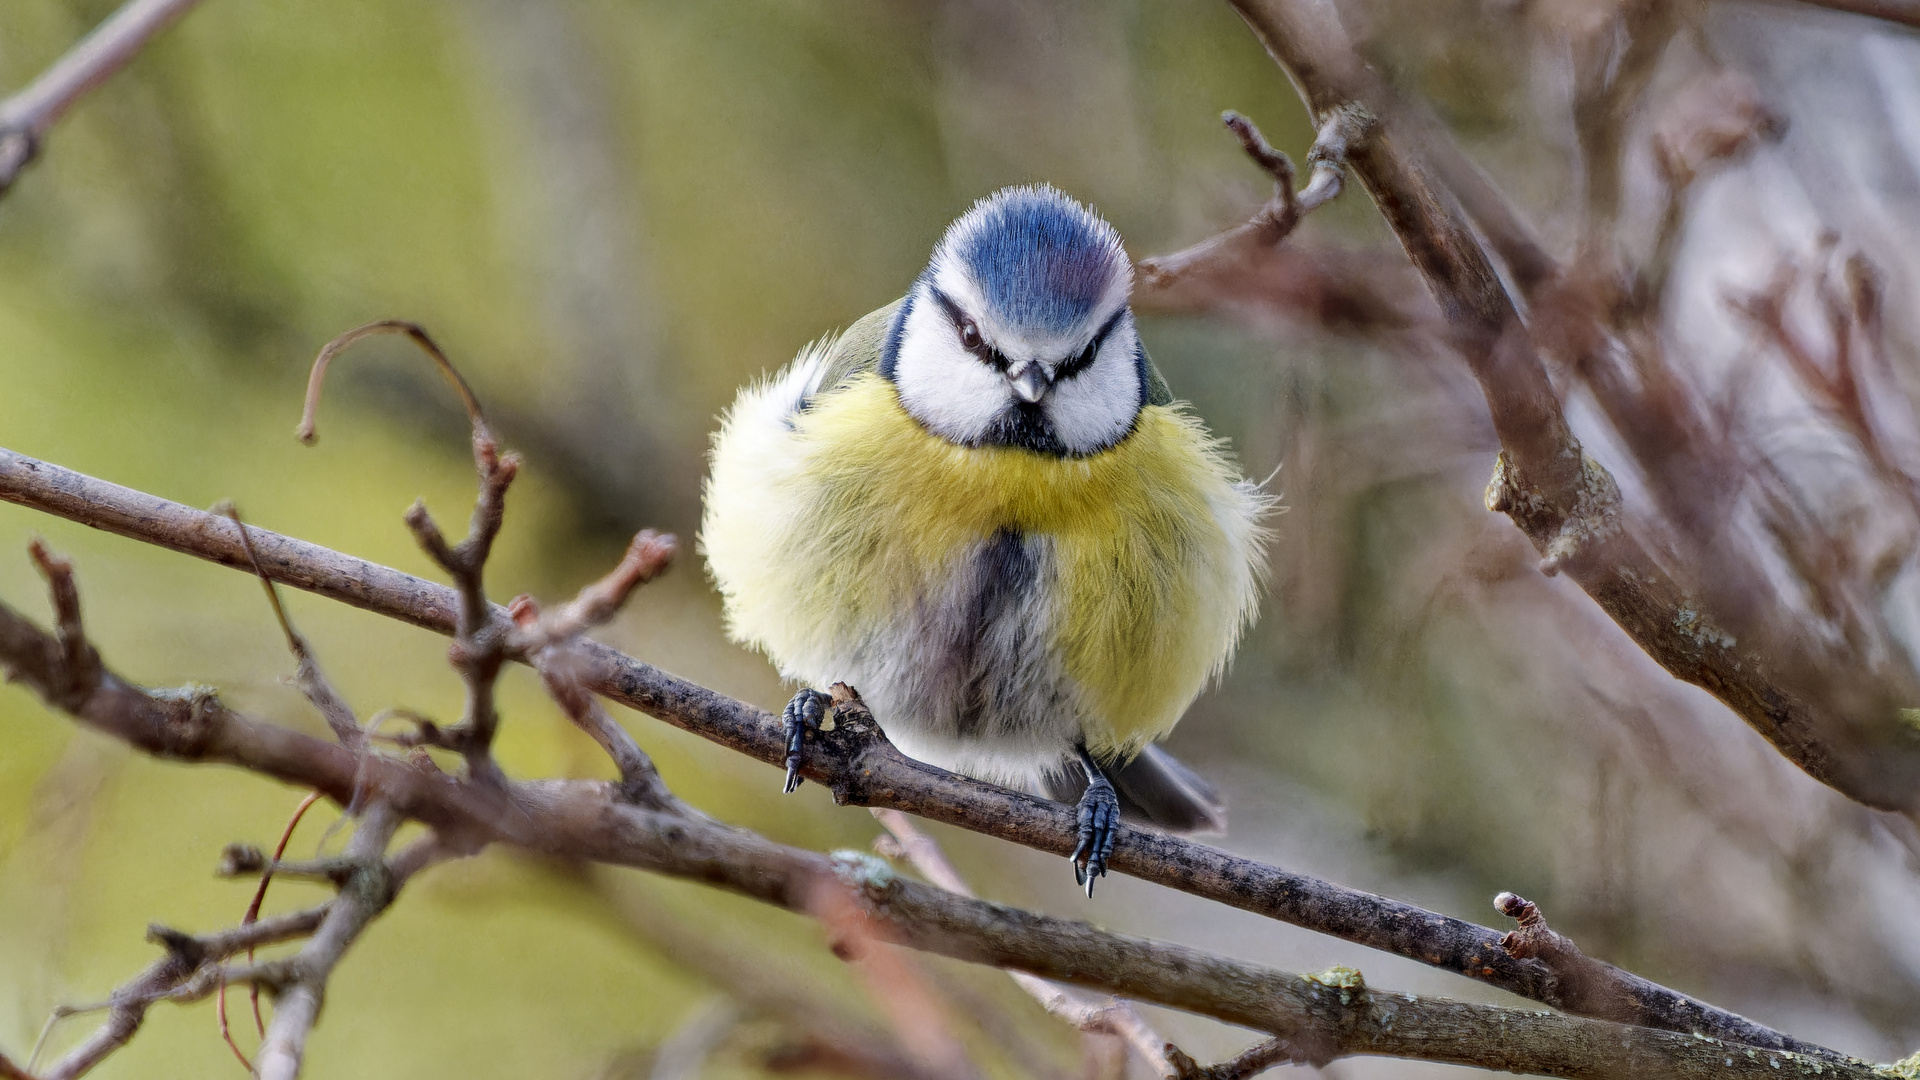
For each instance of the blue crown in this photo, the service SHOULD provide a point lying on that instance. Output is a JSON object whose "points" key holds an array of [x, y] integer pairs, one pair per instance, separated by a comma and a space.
{"points": [[1042, 260]]}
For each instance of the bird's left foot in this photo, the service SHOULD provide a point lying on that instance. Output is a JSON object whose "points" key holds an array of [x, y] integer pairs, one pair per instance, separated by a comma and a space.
{"points": [[807, 711], [1099, 823]]}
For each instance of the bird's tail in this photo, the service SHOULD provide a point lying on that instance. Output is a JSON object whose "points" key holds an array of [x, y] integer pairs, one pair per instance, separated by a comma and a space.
{"points": [[1155, 789]]}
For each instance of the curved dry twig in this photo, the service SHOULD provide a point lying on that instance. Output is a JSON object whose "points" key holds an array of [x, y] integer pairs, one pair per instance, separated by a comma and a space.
{"points": [[307, 433]]}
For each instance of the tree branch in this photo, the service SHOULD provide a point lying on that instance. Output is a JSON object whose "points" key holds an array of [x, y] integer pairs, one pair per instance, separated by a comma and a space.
{"points": [[1326, 1016], [27, 116], [852, 761], [1565, 502]]}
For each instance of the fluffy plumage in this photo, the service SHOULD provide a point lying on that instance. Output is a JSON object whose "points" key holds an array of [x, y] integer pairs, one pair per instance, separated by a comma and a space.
{"points": [[1006, 572]]}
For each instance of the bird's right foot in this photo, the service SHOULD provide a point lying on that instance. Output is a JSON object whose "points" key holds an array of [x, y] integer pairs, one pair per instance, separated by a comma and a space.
{"points": [[806, 712], [1099, 820]]}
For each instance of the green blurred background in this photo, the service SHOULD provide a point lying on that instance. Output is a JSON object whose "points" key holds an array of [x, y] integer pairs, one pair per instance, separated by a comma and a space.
{"points": [[613, 213]]}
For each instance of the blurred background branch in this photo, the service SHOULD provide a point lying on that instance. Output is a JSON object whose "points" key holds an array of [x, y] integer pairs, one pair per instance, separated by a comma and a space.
{"points": [[30, 113]]}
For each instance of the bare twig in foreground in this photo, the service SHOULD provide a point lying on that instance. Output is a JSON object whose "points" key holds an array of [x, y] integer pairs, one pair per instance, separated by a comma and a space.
{"points": [[859, 770], [1326, 1016], [824, 1034], [27, 116]]}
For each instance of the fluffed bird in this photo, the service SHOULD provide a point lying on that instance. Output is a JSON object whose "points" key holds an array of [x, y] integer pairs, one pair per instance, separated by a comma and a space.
{"points": [[982, 507]]}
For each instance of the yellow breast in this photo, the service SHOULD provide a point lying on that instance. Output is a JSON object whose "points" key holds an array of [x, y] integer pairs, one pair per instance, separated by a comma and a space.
{"points": [[1154, 546]]}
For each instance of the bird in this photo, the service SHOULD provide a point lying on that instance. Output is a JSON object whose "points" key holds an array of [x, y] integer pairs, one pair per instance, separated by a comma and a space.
{"points": [[982, 508]]}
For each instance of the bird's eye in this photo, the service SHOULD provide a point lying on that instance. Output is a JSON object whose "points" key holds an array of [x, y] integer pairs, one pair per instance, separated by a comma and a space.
{"points": [[969, 335]]}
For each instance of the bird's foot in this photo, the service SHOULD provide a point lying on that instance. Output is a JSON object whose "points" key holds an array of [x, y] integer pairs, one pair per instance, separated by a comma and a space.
{"points": [[808, 711], [1099, 823]]}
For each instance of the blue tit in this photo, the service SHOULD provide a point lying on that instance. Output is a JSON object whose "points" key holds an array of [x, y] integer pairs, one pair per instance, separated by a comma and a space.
{"points": [[982, 507]]}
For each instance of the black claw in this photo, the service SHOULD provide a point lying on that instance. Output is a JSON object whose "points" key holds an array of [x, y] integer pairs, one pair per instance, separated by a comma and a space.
{"points": [[805, 712], [1099, 820]]}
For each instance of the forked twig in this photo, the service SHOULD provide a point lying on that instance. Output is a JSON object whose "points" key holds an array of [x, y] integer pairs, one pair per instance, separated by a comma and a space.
{"points": [[1282, 213], [480, 647]]}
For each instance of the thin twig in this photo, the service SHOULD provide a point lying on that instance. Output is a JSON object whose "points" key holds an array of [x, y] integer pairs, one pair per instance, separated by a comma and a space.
{"points": [[127, 1008], [480, 648], [646, 558], [27, 116], [307, 675], [545, 640], [253, 914]]}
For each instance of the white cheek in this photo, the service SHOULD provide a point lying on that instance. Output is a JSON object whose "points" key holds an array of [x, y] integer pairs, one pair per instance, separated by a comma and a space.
{"points": [[1096, 408], [942, 385]]}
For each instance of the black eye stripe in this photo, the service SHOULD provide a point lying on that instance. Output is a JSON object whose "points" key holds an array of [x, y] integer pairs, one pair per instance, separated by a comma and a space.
{"points": [[993, 358], [987, 354], [1074, 365]]}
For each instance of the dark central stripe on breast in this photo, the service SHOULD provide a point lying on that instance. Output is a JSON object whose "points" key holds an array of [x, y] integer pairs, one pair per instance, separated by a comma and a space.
{"points": [[1004, 573]]}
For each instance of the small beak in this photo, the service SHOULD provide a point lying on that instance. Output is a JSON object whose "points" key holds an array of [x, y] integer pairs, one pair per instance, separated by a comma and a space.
{"points": [[1029, 380]]}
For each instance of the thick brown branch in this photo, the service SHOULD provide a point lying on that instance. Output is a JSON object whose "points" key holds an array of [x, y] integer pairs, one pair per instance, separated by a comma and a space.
{"points": [[1326, 1017], [26, 117], [1565, 502], [858, 767]]}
